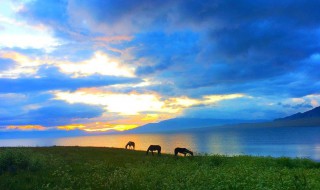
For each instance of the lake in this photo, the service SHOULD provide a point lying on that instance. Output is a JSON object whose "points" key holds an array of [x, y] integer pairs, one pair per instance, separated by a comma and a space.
{"points": [[281, 141]]}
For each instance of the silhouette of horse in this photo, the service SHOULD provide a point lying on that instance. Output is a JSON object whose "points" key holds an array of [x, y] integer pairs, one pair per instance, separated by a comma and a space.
{"points": [[153, 148], [130, 144], [182, 151]]}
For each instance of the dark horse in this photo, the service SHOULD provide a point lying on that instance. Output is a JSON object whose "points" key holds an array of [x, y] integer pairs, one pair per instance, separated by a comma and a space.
{"points": [[130, 144], [153, 148], [182, 151]]}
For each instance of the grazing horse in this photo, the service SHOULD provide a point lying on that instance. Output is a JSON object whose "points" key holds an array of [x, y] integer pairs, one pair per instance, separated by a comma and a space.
{"points": [[153, 148], [182, 151], [130, 144]]}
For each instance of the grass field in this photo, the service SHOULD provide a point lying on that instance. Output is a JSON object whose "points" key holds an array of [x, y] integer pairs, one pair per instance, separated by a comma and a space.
{"points": [[110, 168]]}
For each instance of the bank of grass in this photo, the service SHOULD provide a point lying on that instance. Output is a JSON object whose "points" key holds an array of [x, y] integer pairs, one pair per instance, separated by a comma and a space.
{"points": [[110, 168]]}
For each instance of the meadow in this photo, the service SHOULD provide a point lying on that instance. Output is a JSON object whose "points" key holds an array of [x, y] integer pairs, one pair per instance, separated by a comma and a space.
{"points": [[112, 168]]}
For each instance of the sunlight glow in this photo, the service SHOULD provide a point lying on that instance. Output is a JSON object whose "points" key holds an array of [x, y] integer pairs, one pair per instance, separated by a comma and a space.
{"points": [[126, 104], [134, 103], [97, 127], [71, 127], [100, 63]]}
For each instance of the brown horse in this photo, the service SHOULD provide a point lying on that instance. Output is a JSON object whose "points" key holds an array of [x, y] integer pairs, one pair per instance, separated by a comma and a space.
{"points": [[130, 144], [182, 151], [153, 148]]}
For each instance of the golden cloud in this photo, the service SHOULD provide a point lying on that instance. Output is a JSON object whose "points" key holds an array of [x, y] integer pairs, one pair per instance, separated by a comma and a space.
{"points": [[26, 127], [97, 127]]}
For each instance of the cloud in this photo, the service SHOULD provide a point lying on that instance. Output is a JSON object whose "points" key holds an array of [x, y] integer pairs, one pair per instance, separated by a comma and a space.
{"points": [[297, 106], [114, 38], [51, 12], [47, 83], [25, 127], [168, 58], [301, 104], [100, 63], [134, 103], [6, 63], [97, 127], [16, 33], [34, 74], [49, 113]]}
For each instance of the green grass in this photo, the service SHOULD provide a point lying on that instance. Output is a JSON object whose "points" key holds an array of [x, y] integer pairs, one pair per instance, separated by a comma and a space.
{"points": [[110, 168]]}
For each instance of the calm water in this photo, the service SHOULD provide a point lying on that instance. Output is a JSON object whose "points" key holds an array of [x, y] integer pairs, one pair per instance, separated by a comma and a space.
{"points": [[290, 142]]}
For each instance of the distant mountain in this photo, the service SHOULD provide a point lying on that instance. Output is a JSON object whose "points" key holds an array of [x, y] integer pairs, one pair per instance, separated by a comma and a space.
{"points": [[309, 118], [311, 114], [180, 124]]}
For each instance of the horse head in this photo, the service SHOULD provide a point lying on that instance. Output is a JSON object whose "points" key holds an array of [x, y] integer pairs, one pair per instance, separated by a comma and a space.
{"points": [[188, 151]]}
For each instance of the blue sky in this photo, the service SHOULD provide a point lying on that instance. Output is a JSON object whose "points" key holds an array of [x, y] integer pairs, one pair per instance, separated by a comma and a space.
{"points": [[99, 65]]}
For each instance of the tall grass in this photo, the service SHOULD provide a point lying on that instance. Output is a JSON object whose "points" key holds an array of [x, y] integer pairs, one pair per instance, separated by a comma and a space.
{"points": [[107, 168], [13, 160]]}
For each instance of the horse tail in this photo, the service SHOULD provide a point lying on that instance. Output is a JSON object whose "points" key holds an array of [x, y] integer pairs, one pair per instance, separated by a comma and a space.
{"points": [[159, 152], [126, 146]]}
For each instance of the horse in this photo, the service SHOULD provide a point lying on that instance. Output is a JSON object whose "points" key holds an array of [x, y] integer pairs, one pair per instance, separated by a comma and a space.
{"points": [[130, 144], [182, 151], [153, 148]]}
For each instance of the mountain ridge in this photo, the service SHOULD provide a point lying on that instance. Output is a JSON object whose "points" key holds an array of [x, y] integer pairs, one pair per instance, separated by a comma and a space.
{"points": [[308, 118], [177, 124], [313, 113]]}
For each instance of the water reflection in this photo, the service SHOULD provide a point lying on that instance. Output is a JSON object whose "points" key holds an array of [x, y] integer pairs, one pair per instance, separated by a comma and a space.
{"points": [[291, 142]]}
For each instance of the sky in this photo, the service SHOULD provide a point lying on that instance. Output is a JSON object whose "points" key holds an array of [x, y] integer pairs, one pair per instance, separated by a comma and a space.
{"points": [[104, 65]]}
